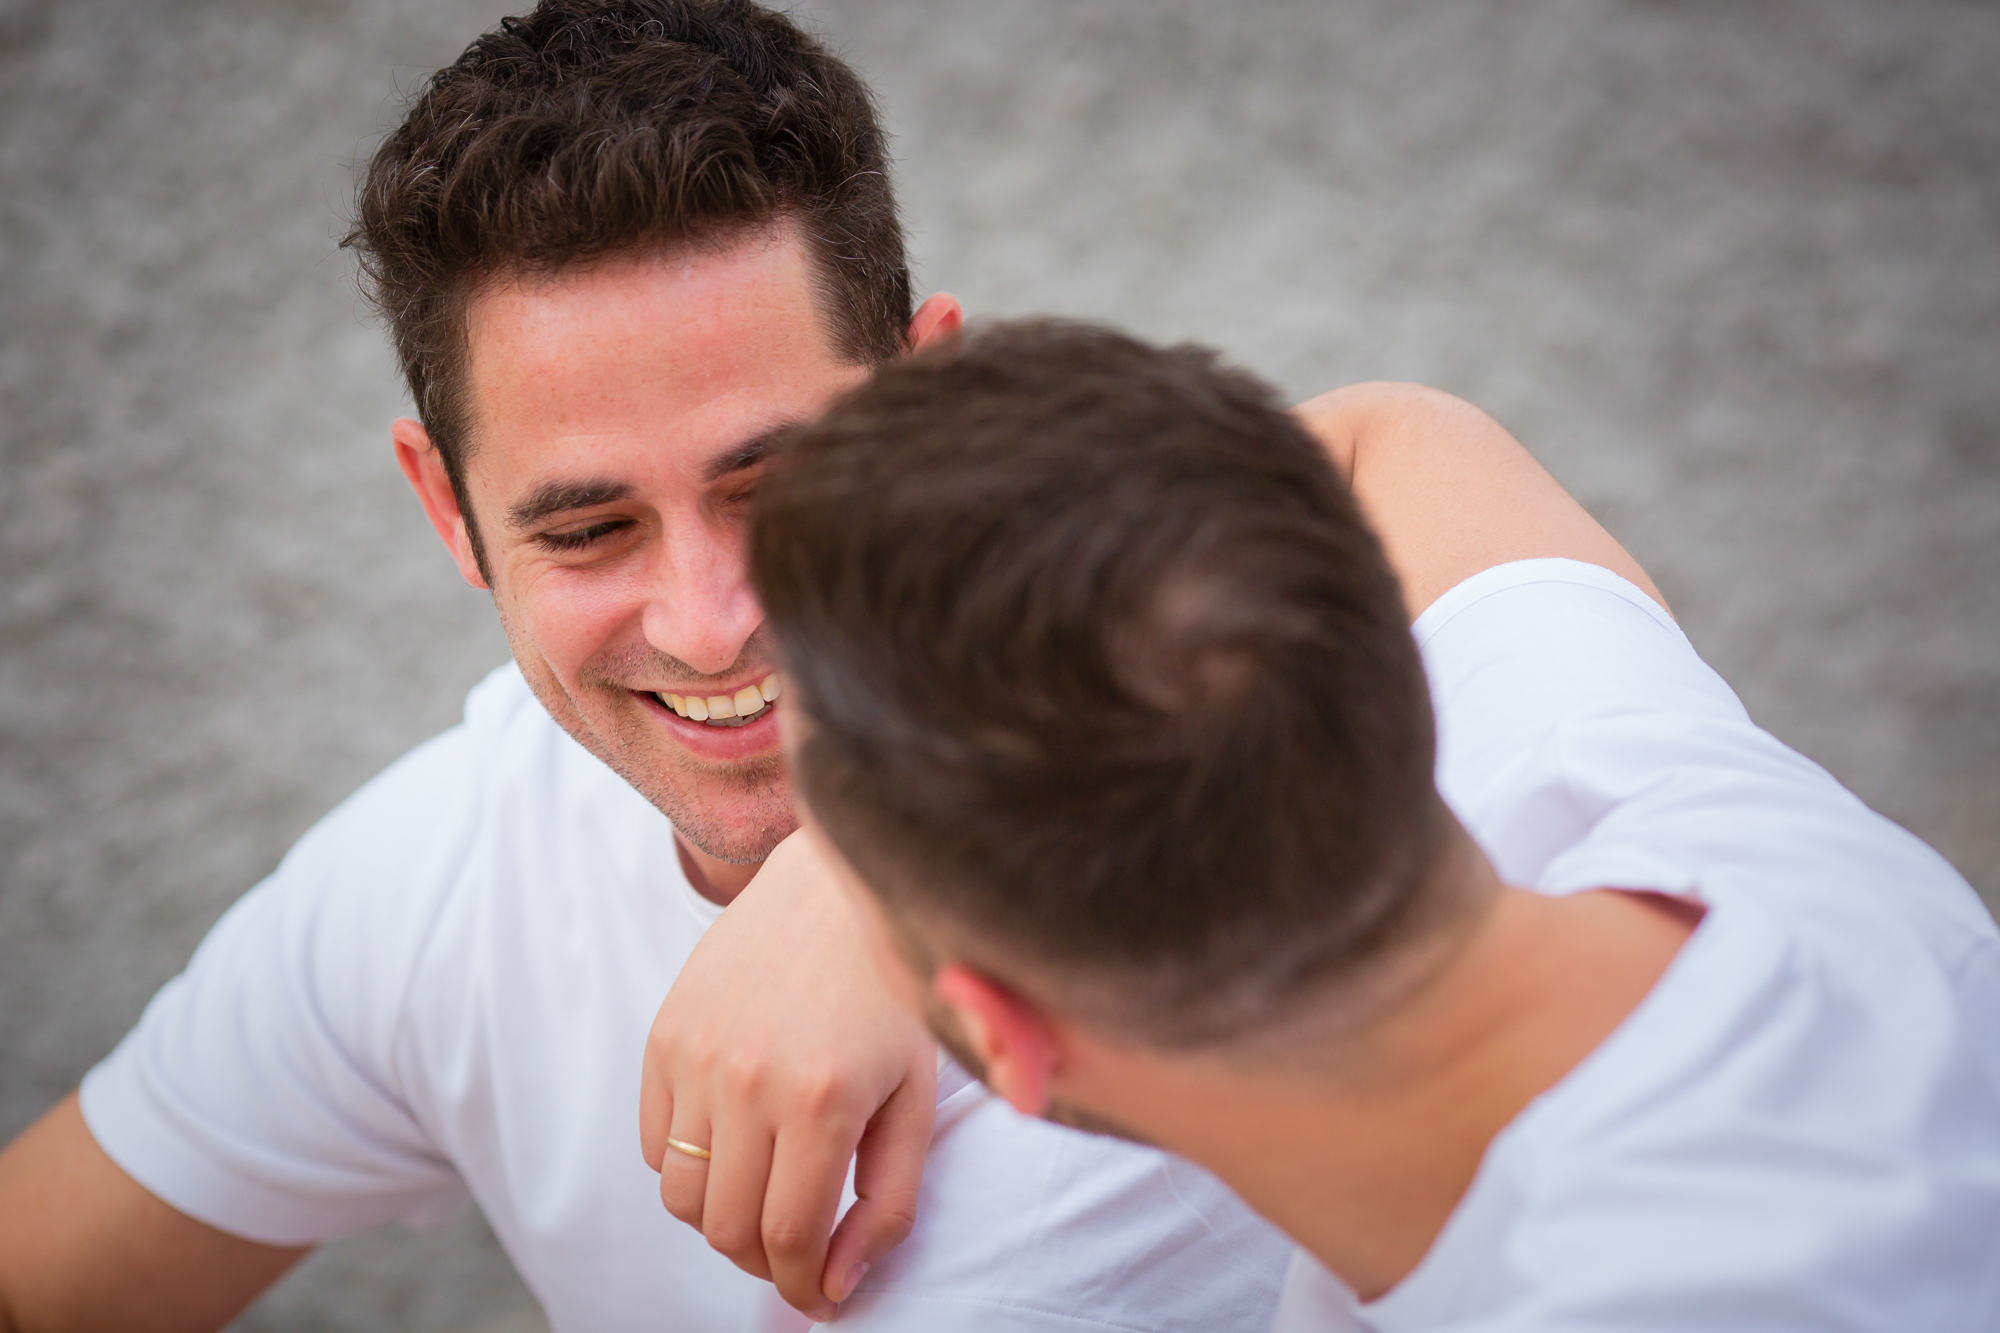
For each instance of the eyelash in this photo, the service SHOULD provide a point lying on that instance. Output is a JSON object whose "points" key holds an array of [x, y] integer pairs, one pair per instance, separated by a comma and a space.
{"points": [[582, 537], [597, 532]]}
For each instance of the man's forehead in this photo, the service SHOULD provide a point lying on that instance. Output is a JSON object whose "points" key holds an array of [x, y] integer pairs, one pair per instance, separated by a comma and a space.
{"points": [[705, 355], [757, 291]]}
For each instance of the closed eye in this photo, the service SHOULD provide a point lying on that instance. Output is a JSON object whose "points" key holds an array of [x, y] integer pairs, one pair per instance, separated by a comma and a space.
{"points": [[576, 539]]}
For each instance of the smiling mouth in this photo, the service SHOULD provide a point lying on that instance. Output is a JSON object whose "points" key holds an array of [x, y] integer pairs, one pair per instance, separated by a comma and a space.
{"points": [[724, 710]]}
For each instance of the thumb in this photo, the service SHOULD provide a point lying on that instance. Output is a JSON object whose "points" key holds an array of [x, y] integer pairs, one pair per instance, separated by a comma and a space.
{"points": [[888, 1174]]}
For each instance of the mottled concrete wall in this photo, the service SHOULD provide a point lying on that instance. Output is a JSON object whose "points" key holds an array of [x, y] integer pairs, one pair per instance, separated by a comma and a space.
{"points": [[1732, 271]]}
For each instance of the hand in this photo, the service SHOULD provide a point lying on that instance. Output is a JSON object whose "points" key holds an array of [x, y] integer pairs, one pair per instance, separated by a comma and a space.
{"points": [[781, 1051]]}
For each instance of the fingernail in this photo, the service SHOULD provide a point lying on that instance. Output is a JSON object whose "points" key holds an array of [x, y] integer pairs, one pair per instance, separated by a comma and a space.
{"points": [[852, 1280]]}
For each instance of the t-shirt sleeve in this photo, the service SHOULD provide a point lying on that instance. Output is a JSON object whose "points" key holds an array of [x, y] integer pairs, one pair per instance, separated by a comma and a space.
{"points": [[261, 1091], [1585, 743], [1524, 657]]}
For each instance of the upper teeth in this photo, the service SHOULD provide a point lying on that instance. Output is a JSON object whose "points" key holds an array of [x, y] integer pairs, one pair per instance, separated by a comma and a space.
{"points": [[721, 708]]}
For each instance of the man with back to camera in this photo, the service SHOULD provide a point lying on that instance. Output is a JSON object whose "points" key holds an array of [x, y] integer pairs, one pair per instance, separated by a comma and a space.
{"points": [[1623, 1016], [618, 245]]}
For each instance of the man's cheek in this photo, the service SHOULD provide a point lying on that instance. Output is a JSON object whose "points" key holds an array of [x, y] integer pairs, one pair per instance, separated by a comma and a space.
{"points": [[567, 628]]}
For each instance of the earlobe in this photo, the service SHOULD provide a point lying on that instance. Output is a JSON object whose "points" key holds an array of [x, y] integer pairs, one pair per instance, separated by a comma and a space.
{"points": [[1012, 1037], [938, 319], [424, 468]]}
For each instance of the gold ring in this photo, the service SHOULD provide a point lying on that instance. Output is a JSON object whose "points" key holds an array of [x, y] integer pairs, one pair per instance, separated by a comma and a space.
{"points": [[688, 1148]]}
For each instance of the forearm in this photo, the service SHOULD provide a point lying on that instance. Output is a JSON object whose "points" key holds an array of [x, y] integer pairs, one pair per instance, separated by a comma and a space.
{"points": [[1450, 492]]}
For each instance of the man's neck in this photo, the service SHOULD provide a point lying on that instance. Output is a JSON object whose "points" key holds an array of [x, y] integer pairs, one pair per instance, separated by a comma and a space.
{"points": [[1362, 1145], [717, 881]]}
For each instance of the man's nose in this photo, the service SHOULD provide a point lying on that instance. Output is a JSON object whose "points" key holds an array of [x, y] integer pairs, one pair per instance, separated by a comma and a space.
{"points": [[700, 608]]}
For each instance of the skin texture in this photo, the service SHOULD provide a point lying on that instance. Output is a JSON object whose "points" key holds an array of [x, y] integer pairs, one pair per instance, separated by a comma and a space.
{"points": [[637, 378], [1357, 1133], [69, 1217], [642, 378]]}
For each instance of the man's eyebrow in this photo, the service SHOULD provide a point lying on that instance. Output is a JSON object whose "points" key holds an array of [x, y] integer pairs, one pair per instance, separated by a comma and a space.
{"points": [[746, 455], [555, 497]]}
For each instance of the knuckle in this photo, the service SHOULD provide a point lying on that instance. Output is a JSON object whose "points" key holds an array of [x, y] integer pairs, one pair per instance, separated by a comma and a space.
{"points": [[897, 1215], [681, 1207], [789, 1238], [665, 1047], [728, 1237], [693, 1055], [823, 1093], [744, 1076]]}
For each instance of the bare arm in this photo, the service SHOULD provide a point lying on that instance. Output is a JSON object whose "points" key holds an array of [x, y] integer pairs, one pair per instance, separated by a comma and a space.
{"points": [[1450, 492], [83, 1246], [780, 1049]]}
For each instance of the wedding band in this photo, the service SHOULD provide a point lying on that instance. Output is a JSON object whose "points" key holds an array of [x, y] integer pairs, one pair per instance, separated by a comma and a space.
{"points": [[688, 1148]]}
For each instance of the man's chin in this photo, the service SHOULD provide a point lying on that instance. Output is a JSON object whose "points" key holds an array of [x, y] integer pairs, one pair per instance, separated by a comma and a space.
{"points": [[736, 814], [733, 845], [734, 809]]}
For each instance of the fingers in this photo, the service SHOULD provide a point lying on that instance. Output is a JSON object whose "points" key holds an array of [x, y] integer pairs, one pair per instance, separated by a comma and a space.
{"points": [[888, 1173], [739, 1169], [779, 1049], [683, 1177], [808, 1170], [656, 1091]]}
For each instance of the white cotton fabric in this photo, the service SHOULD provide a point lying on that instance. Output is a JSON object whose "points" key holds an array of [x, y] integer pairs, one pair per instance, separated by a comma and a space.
{"points": [[444, 991], [1799, 1128]]}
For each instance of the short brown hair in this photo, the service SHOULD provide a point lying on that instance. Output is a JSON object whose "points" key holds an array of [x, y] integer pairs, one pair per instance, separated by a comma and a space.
{"points": [[591, 127], [1101, 667]]}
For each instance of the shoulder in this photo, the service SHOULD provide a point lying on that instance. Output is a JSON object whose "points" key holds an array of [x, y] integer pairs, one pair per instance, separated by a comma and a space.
{"points": [[402, 838], [1559, 638], [1797, 1119], [1021, 1219], [1585, 743], [349, 913], [262, 1090]]}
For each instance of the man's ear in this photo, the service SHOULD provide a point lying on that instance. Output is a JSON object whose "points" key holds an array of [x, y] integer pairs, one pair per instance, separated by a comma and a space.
{"points": [[937, 319], [424, 467], [1021, 1047]]}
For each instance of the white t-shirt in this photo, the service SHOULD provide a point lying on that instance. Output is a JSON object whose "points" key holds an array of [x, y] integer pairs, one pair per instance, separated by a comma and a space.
{"points": [[445, 990], [1799, 1128]]}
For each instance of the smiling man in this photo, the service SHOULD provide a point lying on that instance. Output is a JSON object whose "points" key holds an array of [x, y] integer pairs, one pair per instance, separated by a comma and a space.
{"points": [[622, 410], [619, 246]]}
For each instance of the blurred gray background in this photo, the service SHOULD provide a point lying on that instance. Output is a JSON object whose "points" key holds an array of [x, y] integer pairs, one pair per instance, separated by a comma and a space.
{"points": [[1732, 270]]}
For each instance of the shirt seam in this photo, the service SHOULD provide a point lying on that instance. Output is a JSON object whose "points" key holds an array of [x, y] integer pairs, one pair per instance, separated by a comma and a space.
{"points": [[1639, 601]]}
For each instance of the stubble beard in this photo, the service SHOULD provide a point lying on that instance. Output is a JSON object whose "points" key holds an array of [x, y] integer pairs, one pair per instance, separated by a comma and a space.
{"points": [[694, 797], [736, 813]]}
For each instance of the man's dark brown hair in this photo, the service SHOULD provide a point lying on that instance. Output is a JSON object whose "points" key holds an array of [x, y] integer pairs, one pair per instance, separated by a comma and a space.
{"points": [[1099, 666], [594, 127]]}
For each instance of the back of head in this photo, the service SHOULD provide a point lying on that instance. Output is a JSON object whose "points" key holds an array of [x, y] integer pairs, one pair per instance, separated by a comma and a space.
{"points": [[594, 127], [1103, 674]]}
